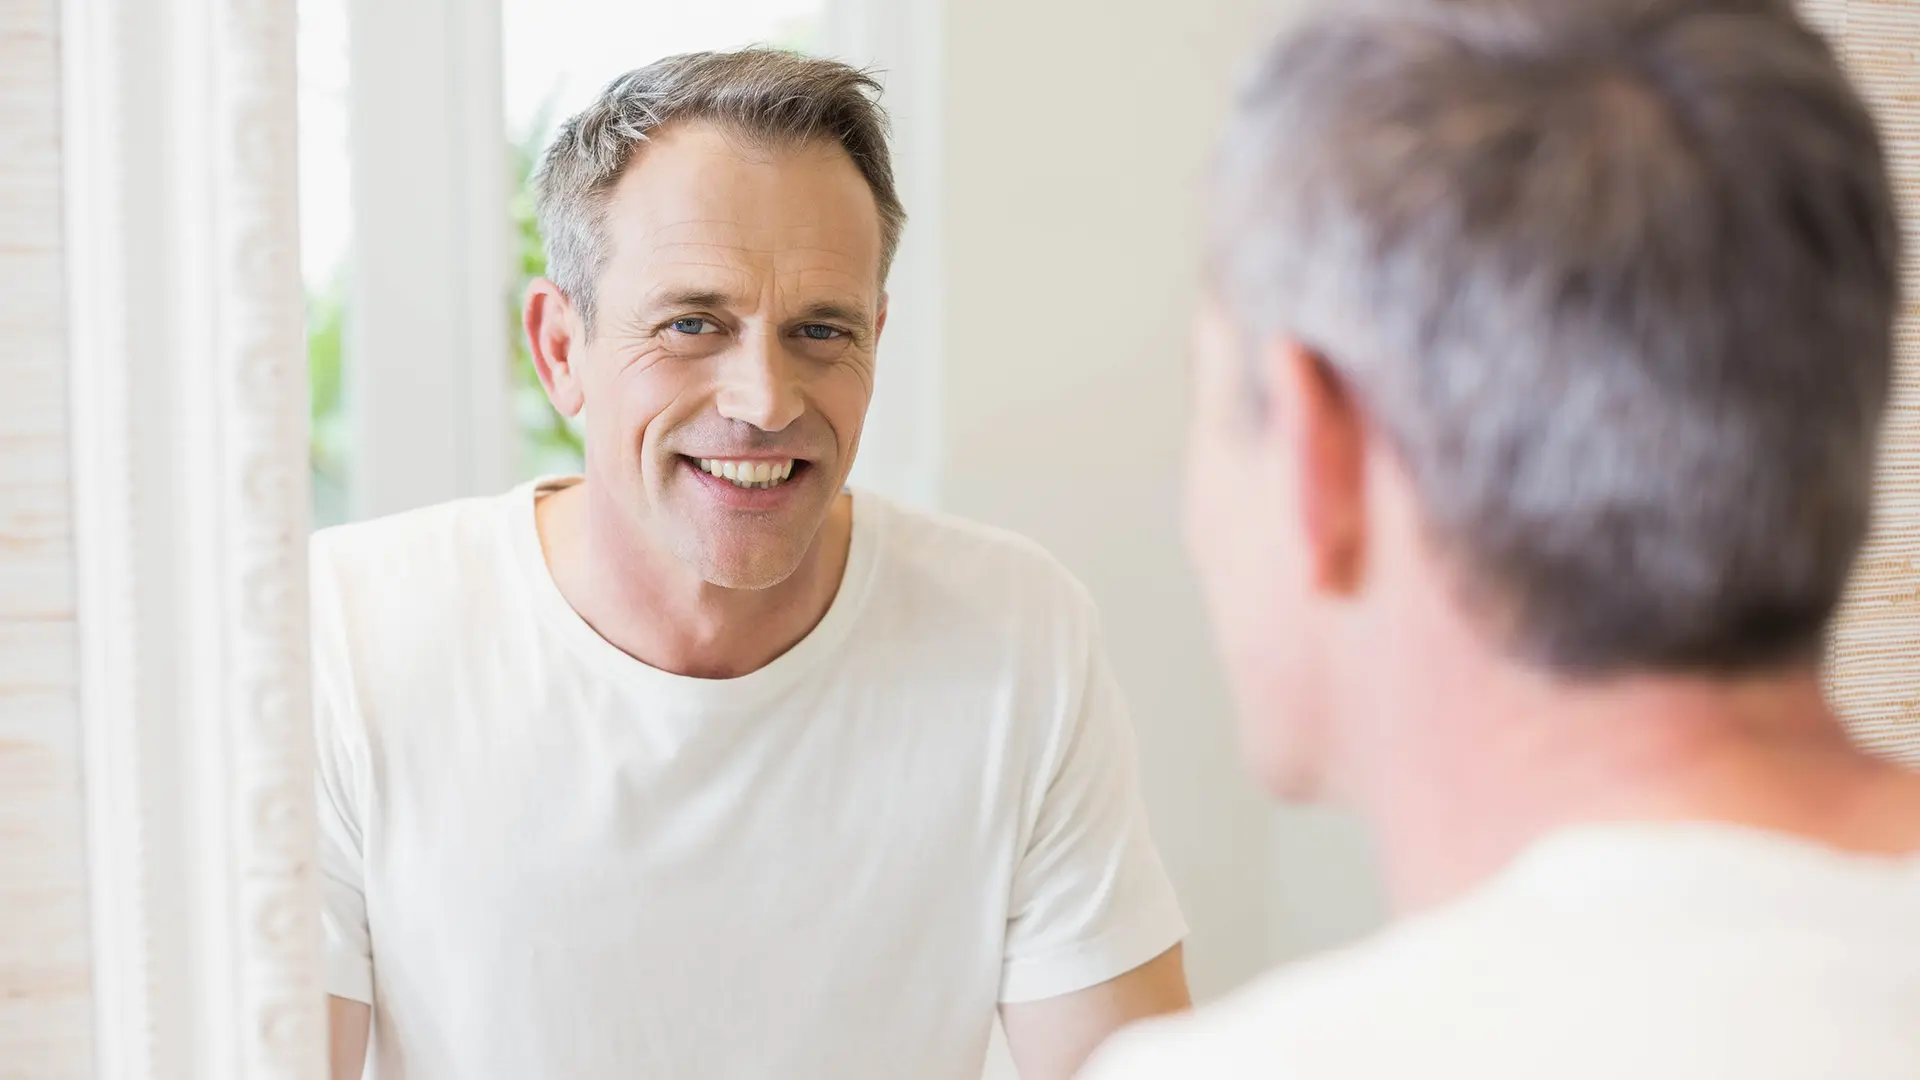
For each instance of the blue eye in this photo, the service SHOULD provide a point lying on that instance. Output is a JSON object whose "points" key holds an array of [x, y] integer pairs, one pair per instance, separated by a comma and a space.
{"points": [[817, 332], [693, 325]]}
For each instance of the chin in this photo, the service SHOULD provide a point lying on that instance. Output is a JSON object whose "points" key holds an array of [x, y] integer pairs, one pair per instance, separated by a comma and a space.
{"points": [[744, 571], [742, 554]]}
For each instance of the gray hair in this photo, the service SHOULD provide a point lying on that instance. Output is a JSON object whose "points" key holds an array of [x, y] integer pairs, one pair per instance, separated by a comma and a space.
{"points": [[1615, 279], [764, 95]]}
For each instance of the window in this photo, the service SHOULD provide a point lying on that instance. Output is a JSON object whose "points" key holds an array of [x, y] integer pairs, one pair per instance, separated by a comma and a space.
{"points": [[324, 240]]}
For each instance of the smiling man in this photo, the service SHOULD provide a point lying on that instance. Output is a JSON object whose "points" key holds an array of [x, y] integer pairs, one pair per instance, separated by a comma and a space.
{"points": [[700, 765]]}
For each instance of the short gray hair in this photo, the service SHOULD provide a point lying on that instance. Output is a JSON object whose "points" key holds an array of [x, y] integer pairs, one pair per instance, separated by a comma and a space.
{"points": [[1616, 279], [764, 95]]}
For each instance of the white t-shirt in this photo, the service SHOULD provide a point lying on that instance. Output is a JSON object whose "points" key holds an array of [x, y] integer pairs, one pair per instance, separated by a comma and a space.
{"points": [[1642, 952], [543, 858]]}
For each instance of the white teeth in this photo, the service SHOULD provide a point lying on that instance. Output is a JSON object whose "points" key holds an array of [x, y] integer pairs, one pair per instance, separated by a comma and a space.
{"points": [[748, 474]]}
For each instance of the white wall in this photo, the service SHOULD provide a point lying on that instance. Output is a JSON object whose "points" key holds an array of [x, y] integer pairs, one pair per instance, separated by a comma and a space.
{"points": [[1075, 135]]}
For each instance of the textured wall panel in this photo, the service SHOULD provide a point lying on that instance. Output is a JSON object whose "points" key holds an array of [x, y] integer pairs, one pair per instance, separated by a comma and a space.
{"points": [[45, 1011], [1876, 648]]}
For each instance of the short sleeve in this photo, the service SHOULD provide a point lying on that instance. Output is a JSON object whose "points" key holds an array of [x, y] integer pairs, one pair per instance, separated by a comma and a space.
{"points": [[1090, 898], [339, 790]]}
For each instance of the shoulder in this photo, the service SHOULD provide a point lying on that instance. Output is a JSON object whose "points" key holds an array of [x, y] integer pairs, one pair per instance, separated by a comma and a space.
{"points": [[981, 613], [399, 547], [418, 576], [452, 560], [1380, 1007], [967, 567], [1244, 1035]]}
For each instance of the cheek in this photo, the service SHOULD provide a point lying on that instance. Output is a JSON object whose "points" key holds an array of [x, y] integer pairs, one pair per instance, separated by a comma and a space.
{"points": [[1276, 659], [1260, 621], [841, 395], [634, 401], [1216, 523]]}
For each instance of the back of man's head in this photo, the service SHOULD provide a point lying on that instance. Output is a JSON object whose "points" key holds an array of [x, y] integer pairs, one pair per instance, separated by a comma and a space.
{"points": [[1615, 279]]}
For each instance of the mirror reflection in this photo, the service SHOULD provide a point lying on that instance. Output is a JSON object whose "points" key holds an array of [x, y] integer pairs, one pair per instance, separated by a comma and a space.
{"points": [[867, 539]]}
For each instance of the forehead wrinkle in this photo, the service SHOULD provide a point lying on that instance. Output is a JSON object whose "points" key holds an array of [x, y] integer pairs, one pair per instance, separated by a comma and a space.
{"points": [[706, 252], [664, 263], [682, 258], [782, 256], [730, 232], [825, 278], [675, 278], [771, 237], [811, 270], [791, 253]]}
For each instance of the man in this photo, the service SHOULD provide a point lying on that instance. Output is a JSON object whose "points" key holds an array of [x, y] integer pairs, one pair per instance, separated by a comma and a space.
{"points": [[699, 765], [1536, 415]]}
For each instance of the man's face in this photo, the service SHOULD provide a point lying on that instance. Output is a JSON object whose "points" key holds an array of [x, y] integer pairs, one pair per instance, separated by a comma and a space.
{"points": [[1244, 536], [734, 334]]}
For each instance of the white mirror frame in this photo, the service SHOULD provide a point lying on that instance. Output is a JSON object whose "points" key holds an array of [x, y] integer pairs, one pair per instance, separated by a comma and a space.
{"points": [[189, 414]]}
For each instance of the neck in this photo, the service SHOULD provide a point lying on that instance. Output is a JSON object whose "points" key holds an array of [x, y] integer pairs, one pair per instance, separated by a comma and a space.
{"points": [[656, 609], [1456, 794]]}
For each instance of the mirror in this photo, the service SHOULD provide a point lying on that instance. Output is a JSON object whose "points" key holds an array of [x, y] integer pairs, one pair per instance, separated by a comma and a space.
{"points": [[198, 384]]}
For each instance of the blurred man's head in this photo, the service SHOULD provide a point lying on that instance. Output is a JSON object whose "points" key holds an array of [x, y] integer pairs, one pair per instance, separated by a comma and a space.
{"points": [[718, 229], [1571, 322]]}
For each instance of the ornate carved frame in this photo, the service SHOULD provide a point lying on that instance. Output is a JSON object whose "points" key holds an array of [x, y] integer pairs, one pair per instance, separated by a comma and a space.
{"points": [[190, 502]]}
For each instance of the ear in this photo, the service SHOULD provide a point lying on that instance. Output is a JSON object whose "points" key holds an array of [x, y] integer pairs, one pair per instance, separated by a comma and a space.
{"points": [[1311, 408], [880, 319], [553, 332]]}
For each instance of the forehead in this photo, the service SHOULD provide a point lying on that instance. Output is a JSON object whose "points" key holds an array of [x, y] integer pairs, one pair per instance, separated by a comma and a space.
{"points": [[703, 207]]}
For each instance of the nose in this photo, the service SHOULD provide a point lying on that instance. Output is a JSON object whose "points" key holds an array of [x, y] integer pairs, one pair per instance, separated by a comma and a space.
{"points": [[759, 384]]}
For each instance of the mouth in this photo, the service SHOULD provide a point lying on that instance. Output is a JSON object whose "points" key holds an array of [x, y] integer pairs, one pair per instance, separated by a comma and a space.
{"points": [[755, 474]]}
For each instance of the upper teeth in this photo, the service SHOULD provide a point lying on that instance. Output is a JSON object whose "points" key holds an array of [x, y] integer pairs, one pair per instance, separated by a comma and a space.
{"points": [[761, 474]]}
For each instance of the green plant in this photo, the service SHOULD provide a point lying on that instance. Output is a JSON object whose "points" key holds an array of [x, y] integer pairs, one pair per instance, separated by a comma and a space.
{"points": [[550, 442], [327, 452]]}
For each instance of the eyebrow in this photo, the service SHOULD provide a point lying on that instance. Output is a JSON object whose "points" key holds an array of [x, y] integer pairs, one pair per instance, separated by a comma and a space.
{"points": [[838, 312], [685, 298]]}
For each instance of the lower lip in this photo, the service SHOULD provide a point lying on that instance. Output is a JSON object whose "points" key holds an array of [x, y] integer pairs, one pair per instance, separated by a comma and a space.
{"points": [[739, 498]]}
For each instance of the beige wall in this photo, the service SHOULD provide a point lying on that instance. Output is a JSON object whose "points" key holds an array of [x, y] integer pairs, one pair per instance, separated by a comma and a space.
{"points": [[1076, 134], [44, 1014]]}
